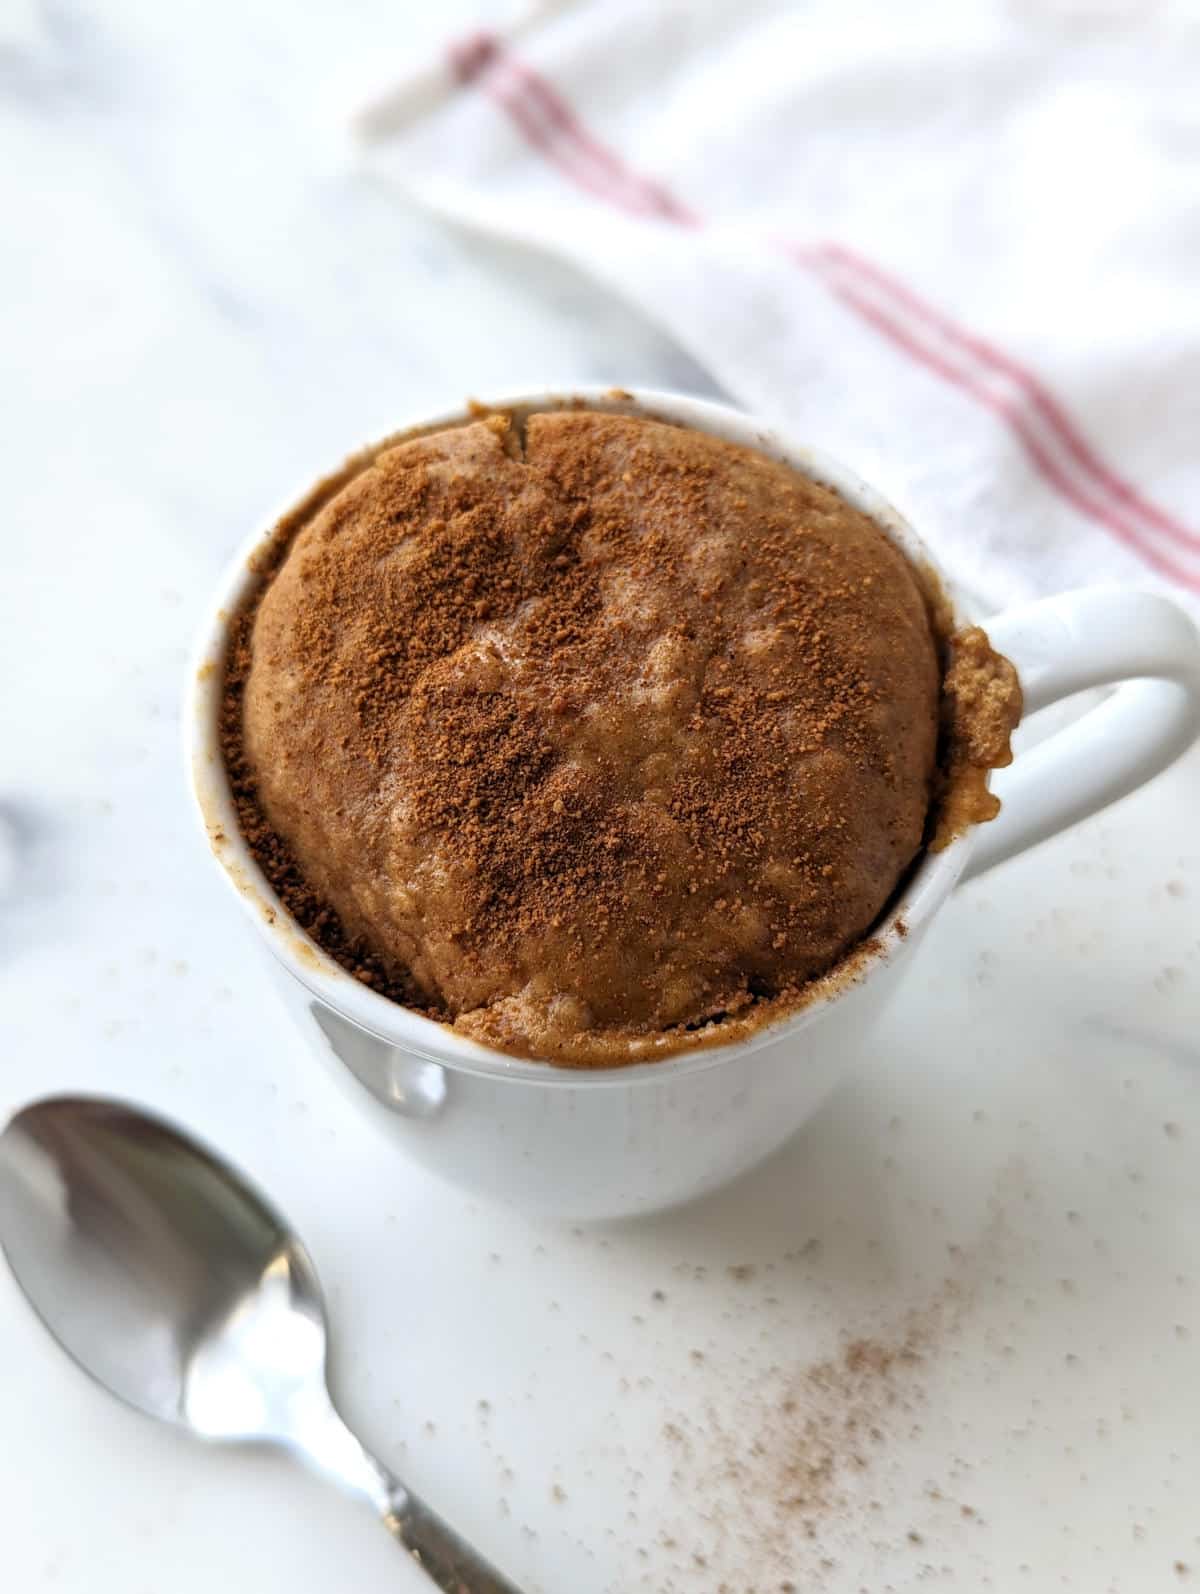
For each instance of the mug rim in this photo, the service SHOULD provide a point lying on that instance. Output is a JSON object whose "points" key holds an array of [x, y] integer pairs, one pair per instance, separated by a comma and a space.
{"points": [[927, 887]]}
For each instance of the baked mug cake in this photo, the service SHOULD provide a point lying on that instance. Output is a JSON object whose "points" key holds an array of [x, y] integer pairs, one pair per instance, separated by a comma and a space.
{"points": [[597, 738], [558, 593]]}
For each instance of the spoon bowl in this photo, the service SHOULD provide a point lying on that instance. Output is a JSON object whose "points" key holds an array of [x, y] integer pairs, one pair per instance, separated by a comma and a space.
{"points": [[157, 1268]]}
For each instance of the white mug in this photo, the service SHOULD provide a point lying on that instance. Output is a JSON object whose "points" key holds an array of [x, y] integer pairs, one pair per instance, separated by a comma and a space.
{"points": [[605, 1143]]}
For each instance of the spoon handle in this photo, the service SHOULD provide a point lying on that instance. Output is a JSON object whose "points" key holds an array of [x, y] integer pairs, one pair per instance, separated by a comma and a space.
{"points": [[444, 1557]]}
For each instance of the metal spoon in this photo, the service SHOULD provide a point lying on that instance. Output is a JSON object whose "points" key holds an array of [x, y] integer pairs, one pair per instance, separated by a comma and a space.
{"points": [[176, 1285]]}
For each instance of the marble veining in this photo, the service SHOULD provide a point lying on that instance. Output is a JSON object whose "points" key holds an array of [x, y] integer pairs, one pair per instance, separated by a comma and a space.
{"points": [[206, 304]]}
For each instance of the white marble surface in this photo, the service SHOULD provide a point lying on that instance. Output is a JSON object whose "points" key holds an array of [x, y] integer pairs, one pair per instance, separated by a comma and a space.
{"points": [[203, 306]]}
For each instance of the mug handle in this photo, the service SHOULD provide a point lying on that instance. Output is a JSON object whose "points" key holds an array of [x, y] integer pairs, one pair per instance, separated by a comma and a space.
{"points": [[1144, 645]]}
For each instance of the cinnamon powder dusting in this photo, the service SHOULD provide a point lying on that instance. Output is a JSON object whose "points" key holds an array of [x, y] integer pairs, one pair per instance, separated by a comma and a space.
{"points": [[771, 1486], [595, 737]]}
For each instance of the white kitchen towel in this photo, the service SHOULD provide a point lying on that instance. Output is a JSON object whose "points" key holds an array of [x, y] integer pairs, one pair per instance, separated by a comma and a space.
{"points": [[955, 243]]}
